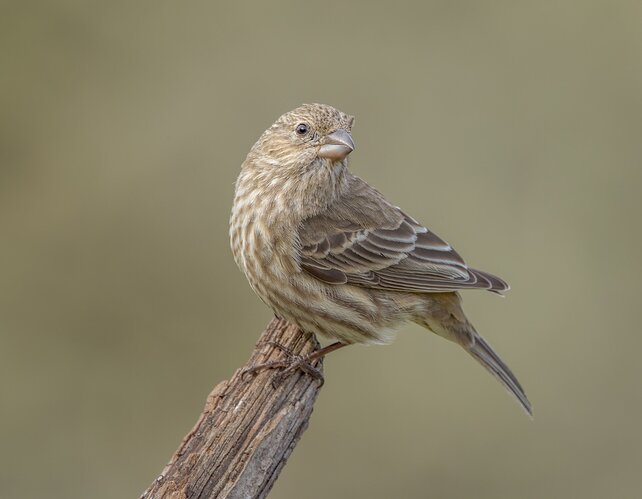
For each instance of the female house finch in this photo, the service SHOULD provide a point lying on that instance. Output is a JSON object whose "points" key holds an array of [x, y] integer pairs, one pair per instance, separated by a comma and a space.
{"points": [[327, 252]]}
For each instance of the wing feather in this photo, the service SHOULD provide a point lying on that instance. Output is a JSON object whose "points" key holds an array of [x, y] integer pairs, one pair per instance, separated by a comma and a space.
{"points": [[363, 240]]}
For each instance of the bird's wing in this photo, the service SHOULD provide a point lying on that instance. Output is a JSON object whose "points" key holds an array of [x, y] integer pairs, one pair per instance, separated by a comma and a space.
{"points": [[362, 239]]}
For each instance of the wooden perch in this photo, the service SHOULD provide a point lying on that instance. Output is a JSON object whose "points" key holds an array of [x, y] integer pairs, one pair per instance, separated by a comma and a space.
{"points": [[248, 428]]}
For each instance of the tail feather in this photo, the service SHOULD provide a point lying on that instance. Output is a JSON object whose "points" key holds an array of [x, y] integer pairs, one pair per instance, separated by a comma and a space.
{"points": [[487, 357]]}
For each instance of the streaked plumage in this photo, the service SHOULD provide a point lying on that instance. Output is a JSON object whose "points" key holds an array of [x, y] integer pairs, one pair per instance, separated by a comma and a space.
{"points": [[328, 252]]}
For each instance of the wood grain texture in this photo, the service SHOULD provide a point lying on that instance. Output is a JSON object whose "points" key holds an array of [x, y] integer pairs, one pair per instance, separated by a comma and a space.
{"points": [[248, 428]]}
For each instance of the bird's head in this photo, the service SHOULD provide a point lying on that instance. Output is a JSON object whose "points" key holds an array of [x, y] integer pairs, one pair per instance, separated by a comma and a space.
{"points": [[310, 135]]}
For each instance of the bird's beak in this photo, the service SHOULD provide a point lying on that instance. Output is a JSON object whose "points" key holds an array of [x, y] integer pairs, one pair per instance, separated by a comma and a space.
{"points": [[337, 145]]}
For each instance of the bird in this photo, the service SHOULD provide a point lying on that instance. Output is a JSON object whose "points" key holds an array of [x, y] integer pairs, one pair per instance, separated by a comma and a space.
{"points": [[329, 253]]}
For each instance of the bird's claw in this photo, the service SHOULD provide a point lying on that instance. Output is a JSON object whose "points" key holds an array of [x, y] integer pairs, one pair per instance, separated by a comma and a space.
{"points": [[290, 364], [255, 368], [301, 362]]}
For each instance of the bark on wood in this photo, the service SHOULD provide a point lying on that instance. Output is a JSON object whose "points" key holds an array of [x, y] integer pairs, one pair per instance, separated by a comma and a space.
{"points": [[248, 428]]}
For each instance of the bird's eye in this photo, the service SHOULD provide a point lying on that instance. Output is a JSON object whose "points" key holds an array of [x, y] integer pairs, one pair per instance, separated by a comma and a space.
{"points": [[302, 129]]}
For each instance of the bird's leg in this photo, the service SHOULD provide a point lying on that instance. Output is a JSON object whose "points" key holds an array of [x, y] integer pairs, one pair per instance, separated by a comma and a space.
{"points": [[272, 364], [290, 358], [293, 362], [322, 352], [306, 363]]}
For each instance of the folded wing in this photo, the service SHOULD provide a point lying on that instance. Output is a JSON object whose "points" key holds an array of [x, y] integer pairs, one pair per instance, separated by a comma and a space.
{"points": [[365, 241]]}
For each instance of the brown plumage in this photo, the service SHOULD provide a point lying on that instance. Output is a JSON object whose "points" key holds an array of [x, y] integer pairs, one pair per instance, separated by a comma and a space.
{"points": [[328, 252]]}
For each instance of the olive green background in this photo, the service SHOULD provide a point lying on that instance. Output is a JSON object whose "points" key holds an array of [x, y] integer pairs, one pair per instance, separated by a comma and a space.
{"points": [[512, 129]]}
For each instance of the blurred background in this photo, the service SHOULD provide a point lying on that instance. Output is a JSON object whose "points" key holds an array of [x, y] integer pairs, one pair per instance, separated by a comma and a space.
{"points": [[513, 129]]}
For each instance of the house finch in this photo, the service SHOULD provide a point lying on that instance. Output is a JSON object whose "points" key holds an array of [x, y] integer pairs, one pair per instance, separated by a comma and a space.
{"points": [[327, 252]]}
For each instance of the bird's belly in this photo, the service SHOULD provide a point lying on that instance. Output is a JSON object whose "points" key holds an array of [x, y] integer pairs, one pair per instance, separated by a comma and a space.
{"points": [[346, 313]]}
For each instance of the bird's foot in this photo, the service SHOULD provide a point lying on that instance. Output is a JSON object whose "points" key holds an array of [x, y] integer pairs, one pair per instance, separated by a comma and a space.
{"points": [[292, 362], [302, 362], [289, 364]]}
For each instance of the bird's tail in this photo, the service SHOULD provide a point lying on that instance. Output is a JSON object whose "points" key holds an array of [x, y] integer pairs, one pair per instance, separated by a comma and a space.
{"points": [[487, 357], [442, 314]]}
